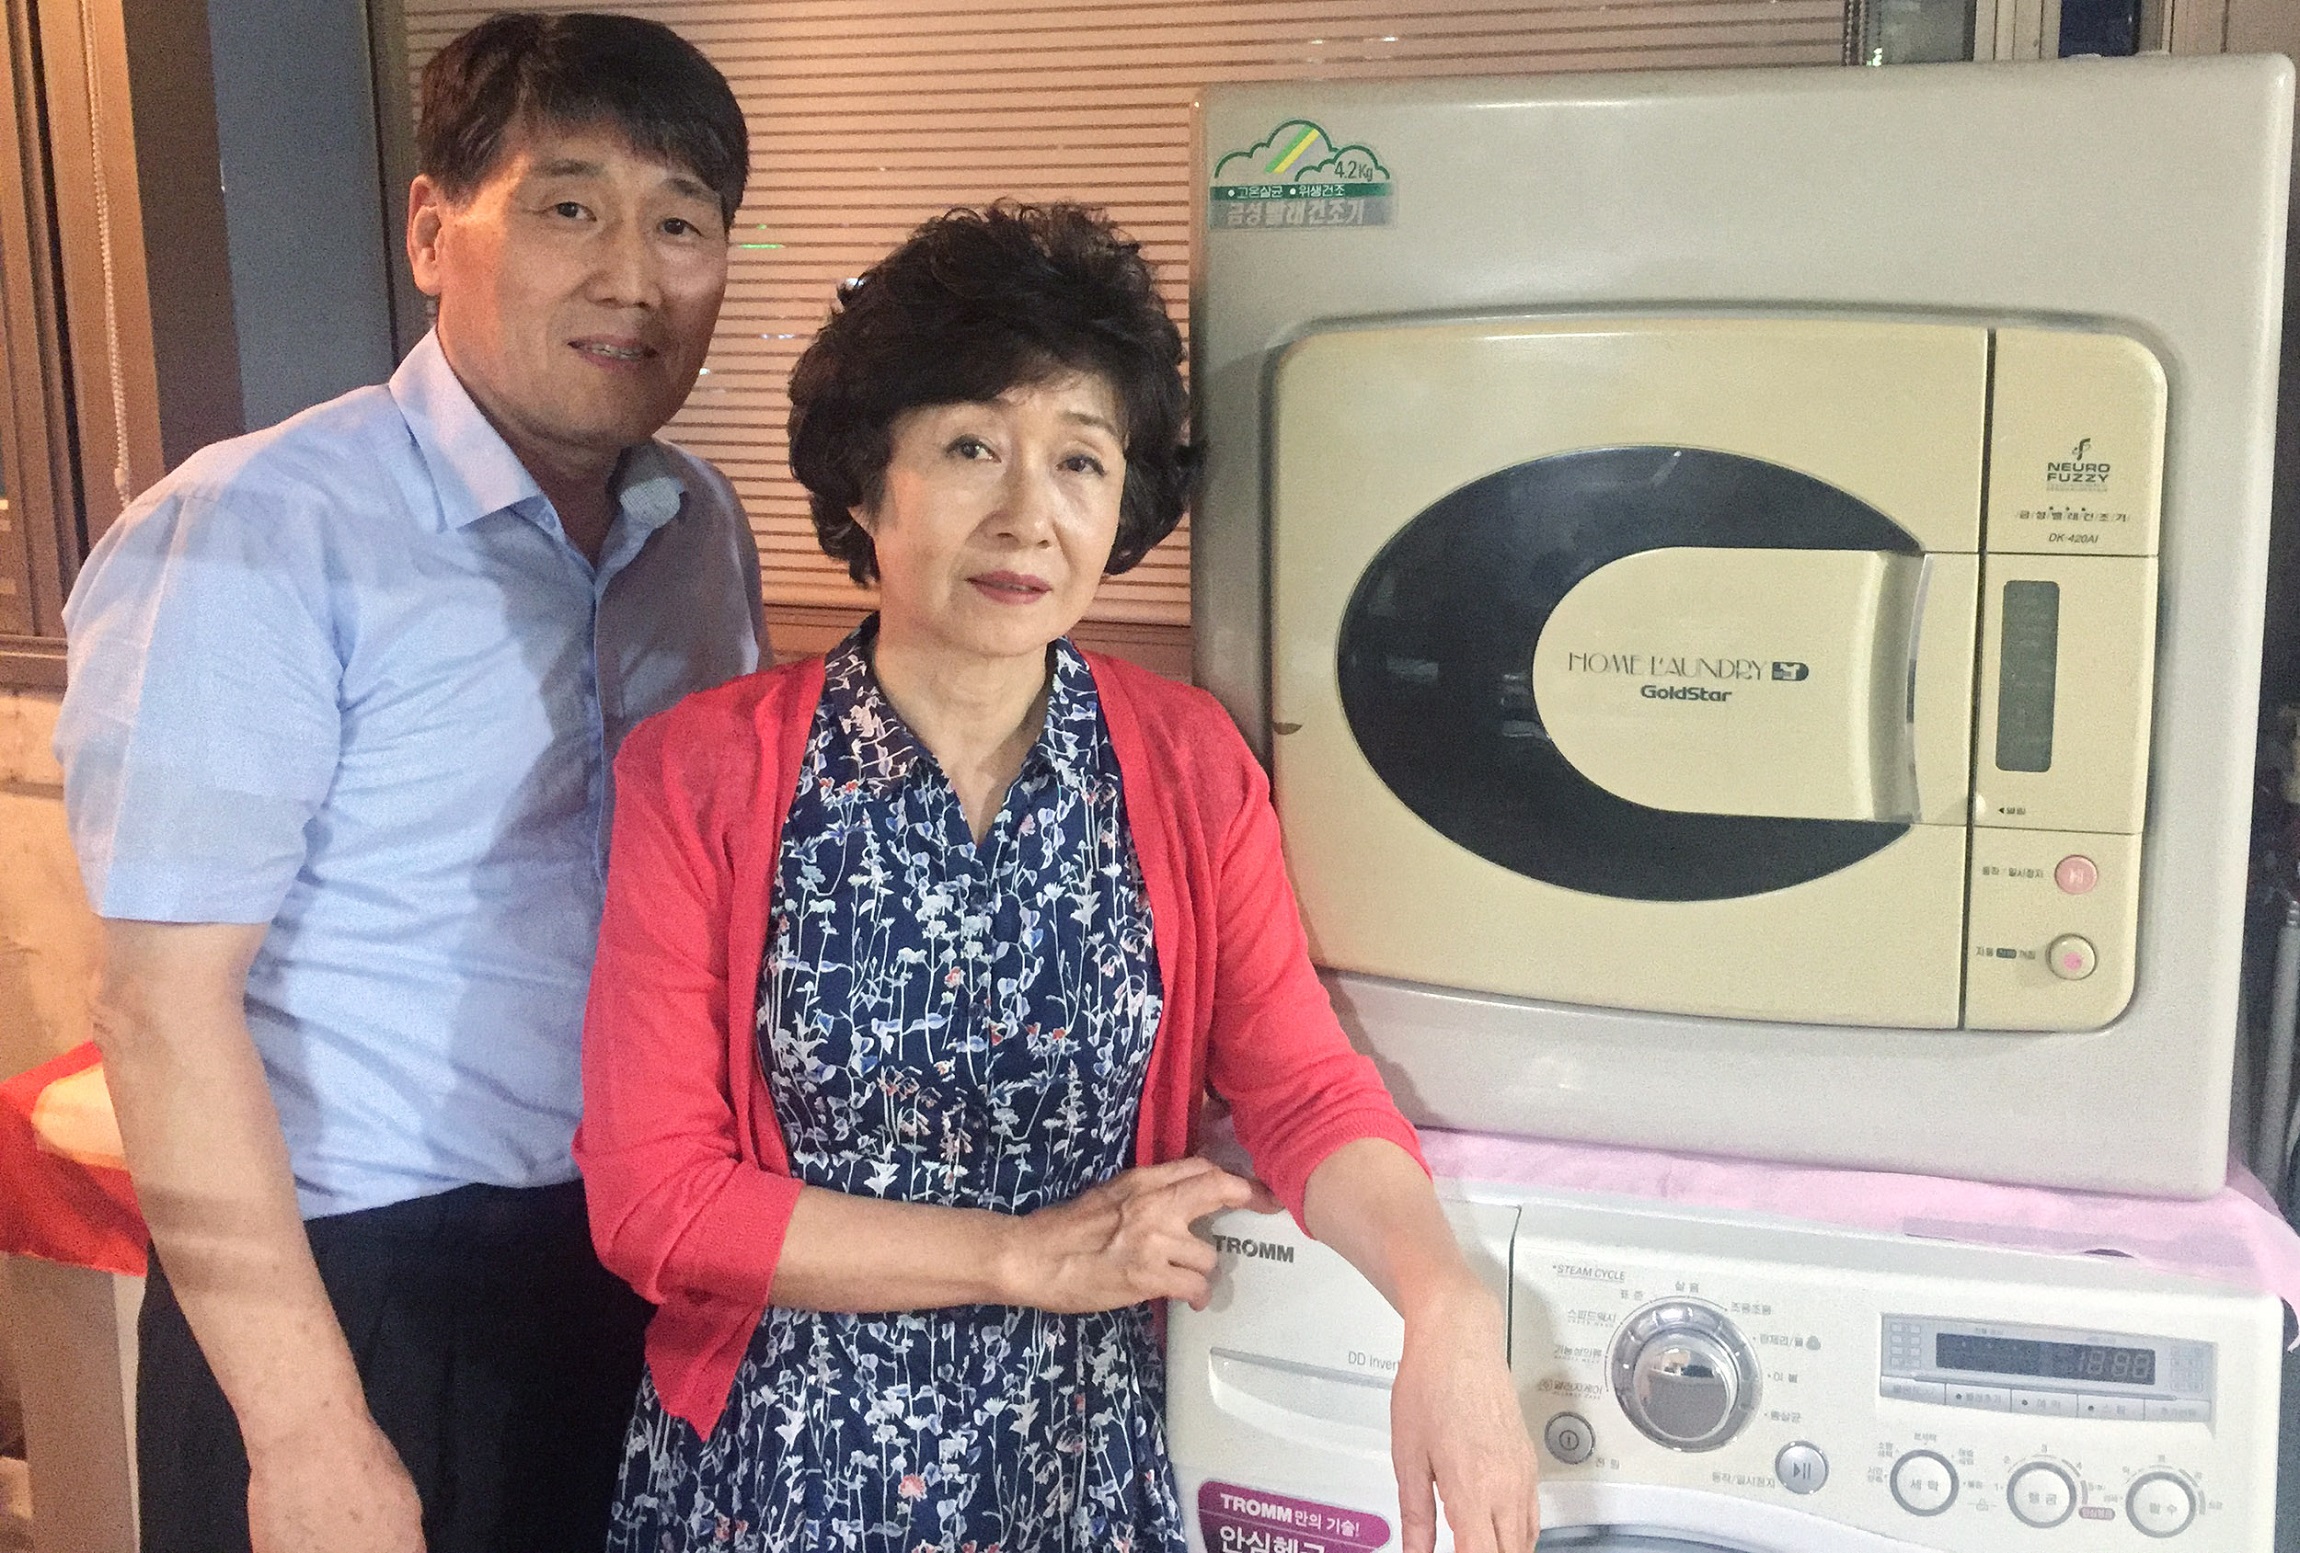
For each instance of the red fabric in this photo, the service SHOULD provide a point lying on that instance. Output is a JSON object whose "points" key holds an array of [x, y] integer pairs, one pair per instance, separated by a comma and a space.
{"points": [[689, 1185], [56, 1208]]}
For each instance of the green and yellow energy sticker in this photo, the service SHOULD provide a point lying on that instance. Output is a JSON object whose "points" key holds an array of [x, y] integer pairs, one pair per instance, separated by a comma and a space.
{"points": [[1298, 176]]}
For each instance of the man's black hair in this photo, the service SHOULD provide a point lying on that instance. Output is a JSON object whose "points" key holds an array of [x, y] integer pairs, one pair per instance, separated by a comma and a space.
{"points": [[574, 70]]}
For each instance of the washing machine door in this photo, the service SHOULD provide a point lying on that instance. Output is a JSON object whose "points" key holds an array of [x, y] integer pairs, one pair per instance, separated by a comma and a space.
{"points": [[1626, 1539], [1638, 1539], [1588, 1517]]}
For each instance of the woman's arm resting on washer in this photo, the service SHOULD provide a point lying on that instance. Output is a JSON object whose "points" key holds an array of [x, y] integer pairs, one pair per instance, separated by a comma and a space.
{"points": [[1123, 1242], [1454, 1417]]}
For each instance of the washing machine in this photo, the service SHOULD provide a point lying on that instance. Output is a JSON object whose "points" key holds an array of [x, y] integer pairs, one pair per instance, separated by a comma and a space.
{"points": [[1707, 1382], [1749, 585]]}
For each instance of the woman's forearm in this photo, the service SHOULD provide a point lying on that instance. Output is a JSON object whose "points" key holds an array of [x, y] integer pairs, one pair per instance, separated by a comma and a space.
{"points": [[865, 1254], [1371, 1202], [1120, 1243], [1457, 1433]]}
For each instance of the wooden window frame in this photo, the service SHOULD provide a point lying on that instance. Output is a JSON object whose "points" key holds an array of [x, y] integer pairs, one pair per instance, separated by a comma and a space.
{"points": [[42, 529], [117, 369]]}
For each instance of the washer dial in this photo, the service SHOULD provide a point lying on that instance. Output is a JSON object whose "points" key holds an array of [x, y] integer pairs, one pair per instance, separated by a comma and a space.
{"points": [[1924, 1482], [2041, 1494], [2161, 1505], [1684, 1374]]}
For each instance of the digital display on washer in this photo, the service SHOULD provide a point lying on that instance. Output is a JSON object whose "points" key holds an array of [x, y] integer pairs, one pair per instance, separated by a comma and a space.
{"points": [[2051, 1361]]}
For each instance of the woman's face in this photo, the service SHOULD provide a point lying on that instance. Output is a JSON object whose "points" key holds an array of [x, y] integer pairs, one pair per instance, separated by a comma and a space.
{"points": [[996, 519]]}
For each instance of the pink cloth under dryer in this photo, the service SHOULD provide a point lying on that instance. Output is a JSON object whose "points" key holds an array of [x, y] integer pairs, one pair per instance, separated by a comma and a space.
{"points": [[2235, 1236]]}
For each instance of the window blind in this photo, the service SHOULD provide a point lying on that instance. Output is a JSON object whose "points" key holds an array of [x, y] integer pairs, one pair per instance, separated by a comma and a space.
{"points": [[868, 116]]}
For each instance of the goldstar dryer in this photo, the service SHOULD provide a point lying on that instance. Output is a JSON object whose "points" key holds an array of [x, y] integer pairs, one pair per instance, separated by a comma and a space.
{"points": [[1749, 585]]}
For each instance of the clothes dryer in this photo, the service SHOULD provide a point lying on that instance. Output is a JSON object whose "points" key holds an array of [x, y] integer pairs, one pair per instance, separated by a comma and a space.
{"points": [[1749, 585]]}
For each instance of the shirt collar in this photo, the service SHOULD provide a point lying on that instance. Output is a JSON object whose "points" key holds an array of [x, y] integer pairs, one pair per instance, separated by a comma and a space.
{"points": [[474, 469], [887, 754], [1073, 731]]}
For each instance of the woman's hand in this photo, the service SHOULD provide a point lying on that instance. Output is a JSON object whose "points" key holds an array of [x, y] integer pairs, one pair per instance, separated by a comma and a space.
{"points": [[1455, 1425], [1125, 1241]]}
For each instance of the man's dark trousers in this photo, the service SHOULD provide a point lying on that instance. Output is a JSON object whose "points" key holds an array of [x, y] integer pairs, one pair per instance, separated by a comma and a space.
{"points": [[498, 1356]]}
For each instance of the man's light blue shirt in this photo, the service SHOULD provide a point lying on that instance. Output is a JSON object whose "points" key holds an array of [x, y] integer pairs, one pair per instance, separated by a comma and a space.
{"points": [[347, 676]]}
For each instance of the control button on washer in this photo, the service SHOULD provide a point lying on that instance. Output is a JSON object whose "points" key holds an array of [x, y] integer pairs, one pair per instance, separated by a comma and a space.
{"points": [[2161, 1505], [2180, 1410], [2071, 957], [1994, 1399], [2041, 1494], [1925, 1483], [1801, 1467], [2045, 1404], [2091, 1406], [2076, 875], [1569, 1439], [1912, 1390]]}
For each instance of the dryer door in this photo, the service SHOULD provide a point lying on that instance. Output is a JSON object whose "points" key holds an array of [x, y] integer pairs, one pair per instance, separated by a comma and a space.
{"points": [[1631, 662]]}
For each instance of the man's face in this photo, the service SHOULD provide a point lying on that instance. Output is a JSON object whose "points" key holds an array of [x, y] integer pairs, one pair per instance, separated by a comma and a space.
{"points": [[577, 288]]}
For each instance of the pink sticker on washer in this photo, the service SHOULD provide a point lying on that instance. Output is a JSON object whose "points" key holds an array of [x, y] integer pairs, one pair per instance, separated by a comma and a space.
{"points": [[1252, 1520]]}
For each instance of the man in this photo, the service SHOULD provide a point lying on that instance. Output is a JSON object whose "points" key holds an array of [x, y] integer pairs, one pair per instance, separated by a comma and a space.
{"points": [[344, 696]]}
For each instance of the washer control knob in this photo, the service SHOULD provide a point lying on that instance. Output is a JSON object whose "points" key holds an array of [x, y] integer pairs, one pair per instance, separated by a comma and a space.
{"points": [[2041, 1494], [1569, 1439], [1924, 1482], [1685, 1375], [2161, 1504], [1801, 1467]]}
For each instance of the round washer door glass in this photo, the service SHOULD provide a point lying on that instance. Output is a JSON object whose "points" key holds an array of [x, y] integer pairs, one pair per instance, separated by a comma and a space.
{"points": [[1436, 654], [1628, 1539]]}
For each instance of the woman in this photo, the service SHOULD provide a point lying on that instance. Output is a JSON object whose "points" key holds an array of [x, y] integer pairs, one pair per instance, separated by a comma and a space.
{"points": [[918, 960]]}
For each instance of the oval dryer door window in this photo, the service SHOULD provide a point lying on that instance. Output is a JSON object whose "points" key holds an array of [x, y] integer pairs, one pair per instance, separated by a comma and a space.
{"points": [[1662, 744]]}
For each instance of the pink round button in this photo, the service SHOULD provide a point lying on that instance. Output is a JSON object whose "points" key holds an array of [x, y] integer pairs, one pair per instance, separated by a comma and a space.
{"points": [[2076, 874]]}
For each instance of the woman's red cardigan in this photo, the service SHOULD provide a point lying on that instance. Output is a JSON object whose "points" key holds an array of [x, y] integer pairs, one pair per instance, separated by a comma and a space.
{"points": [[689, 1185]]}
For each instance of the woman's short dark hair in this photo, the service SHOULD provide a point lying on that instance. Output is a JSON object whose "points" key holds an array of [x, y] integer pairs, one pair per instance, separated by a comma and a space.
{"points": [[574, 70], [973, 304]]}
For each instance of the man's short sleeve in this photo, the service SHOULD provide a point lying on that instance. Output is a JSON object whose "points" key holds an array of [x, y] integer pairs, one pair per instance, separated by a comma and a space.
{"points": [[200, 730]]}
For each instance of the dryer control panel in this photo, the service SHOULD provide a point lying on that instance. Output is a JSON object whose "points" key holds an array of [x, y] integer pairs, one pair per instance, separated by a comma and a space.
{"points": [[1755, 1382]]}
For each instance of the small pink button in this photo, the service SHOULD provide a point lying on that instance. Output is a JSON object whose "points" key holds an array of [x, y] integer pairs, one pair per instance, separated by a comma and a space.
{"points": [[2076, 875]]}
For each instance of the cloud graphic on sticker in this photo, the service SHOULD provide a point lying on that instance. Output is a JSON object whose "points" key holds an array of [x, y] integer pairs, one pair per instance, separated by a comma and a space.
{"points": [[1291, 147], [1351, 164]]}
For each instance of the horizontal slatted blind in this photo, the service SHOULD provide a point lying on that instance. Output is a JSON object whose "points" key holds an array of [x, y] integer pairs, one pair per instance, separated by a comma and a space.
{"points": [[868, 116]]}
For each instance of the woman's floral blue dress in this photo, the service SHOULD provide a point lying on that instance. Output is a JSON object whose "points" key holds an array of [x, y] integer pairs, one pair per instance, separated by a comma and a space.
{"points": [[957, 1024]]}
